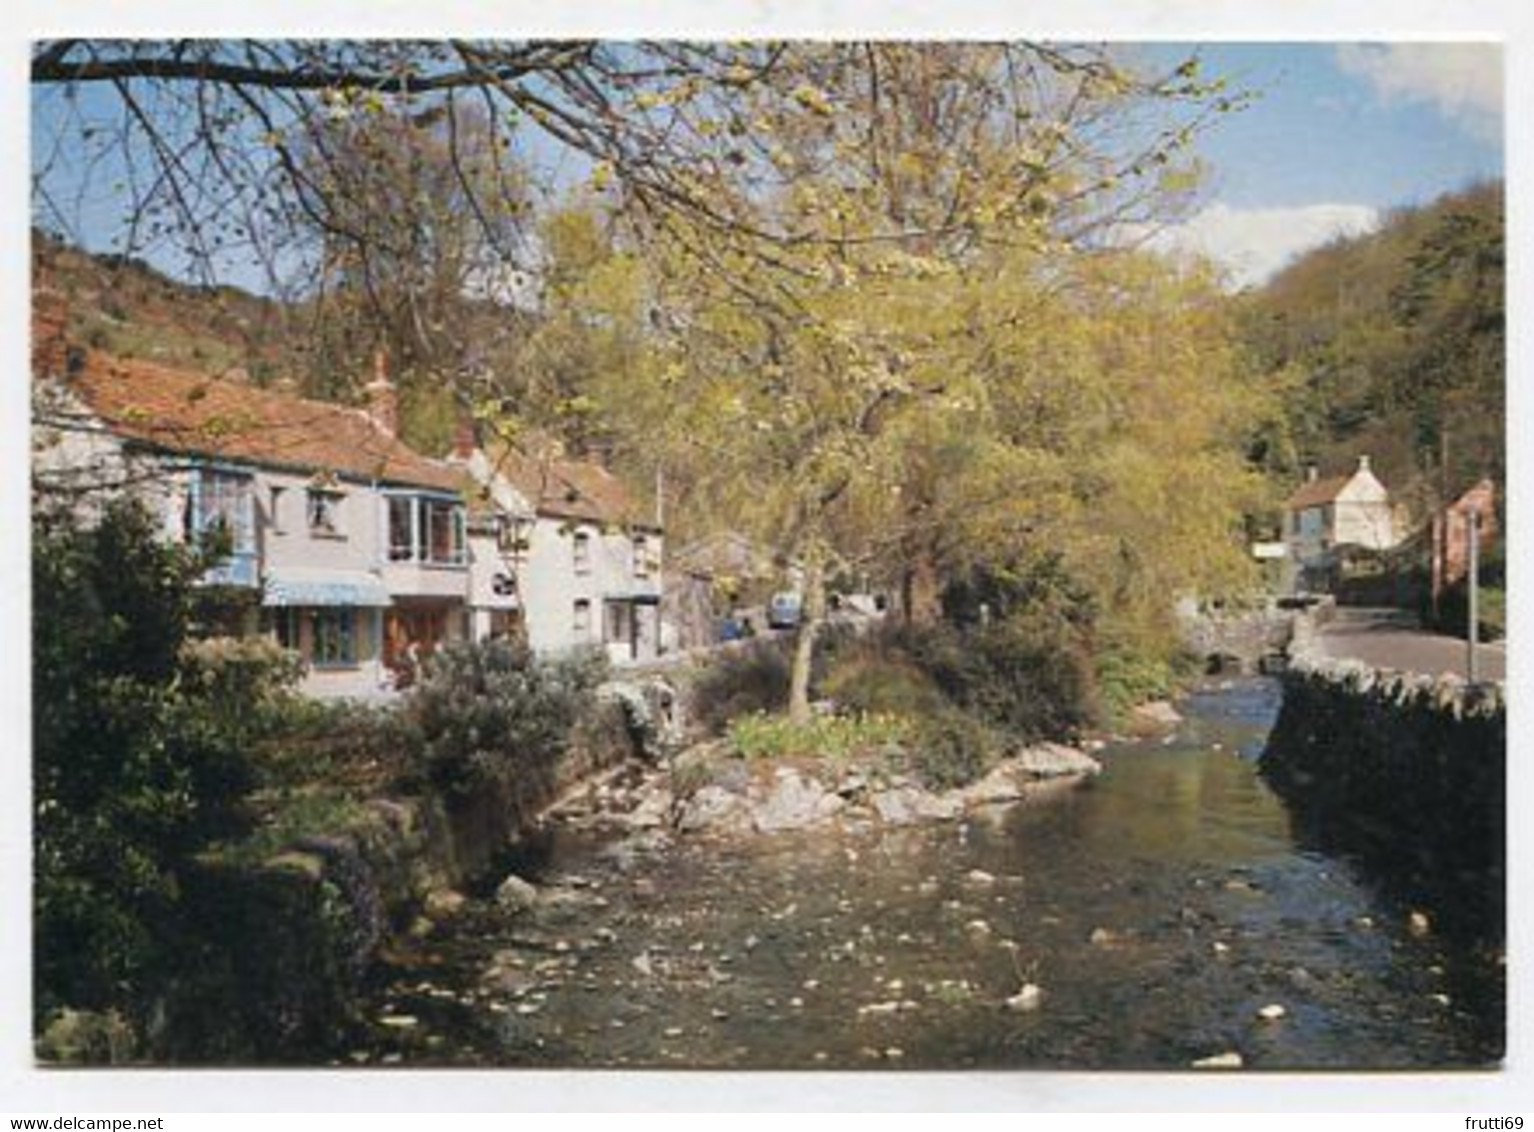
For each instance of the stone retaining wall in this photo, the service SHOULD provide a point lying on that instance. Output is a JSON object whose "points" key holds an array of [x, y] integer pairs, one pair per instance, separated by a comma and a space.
{"points": [[1415, 766]]}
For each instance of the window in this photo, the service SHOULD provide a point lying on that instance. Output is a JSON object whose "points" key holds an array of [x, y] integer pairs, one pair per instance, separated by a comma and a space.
{"points": [[582, 623], [620, 622], [581, 548], [324, 511], [401, 528], [274, 505], [219, 506], [444, 528], [641, 556], [426, 530], [335, 643], [285, 622]]}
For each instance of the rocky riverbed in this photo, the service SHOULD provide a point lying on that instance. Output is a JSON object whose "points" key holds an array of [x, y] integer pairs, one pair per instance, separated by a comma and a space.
{"points": [[1163, 916]]}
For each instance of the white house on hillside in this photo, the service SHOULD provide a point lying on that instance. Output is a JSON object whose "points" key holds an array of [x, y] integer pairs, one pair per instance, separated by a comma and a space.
{"points": [[561, 555], [345, 544], [1326, 516]]}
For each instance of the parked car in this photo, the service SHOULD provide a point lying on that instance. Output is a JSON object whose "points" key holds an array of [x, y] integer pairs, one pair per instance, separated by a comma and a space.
{"points": [[785, 610]]}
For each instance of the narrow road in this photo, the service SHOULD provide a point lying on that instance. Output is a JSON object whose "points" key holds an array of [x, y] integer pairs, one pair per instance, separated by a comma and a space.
{"points": [[1392, 638]]}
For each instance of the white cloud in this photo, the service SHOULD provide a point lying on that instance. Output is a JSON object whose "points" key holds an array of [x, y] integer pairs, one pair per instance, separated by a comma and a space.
{"points": [[1253, 244], [1463, 80]]}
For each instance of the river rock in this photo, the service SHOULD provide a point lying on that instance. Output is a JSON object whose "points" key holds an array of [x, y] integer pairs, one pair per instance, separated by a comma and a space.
{"points": [[1055, 760], [904, 805], [715, 808], [443, 903], [653, 811], [1030, 997], [795, 802], [1158, 715], [515, 894], [1228, 1060]]}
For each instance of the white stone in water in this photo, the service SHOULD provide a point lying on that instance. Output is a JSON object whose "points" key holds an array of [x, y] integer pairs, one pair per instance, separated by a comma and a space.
{"points": [[400, 1021], [1228, 1060], [1272, 1012], [1419, 924], [979, 877], [978, 927], [672, 1032], [1029, 997], [516, 894]]}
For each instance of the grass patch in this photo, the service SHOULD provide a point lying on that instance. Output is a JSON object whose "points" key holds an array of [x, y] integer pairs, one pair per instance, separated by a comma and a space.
{"points": [[837, 738]]}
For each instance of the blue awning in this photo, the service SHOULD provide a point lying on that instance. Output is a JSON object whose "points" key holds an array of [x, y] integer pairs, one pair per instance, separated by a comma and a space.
{"points": [[331, 587]]}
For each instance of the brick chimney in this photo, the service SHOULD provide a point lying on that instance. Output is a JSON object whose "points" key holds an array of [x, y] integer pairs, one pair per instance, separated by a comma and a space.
{"points": [[50, 341], [383, 400], [465, 436]]}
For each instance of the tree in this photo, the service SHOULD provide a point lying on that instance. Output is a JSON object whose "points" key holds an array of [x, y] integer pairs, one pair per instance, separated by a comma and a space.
{"points": [[134, 768]]}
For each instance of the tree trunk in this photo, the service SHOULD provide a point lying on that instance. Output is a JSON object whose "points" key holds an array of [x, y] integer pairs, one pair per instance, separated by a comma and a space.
{"points": [[921, 600], [813, 614]]}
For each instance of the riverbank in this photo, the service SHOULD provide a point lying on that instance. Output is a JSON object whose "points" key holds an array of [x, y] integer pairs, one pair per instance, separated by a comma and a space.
{"points": [[1156, 914]]}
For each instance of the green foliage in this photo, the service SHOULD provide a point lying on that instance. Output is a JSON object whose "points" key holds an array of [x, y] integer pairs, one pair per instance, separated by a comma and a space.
{"points": [[486, 713], [738, 681], [952, 748], [868, 683], [1393, 344], [1126, 677], [138, 763], [1029, 679], [836, 738]]}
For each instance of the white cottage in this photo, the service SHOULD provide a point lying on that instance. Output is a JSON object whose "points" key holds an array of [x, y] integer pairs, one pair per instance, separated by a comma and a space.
{"points": [[345, 544], [560, 554], [1327, 516]]}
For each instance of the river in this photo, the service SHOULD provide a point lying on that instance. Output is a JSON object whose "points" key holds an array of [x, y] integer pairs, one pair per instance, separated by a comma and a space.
{"points": [[1166, 913]]}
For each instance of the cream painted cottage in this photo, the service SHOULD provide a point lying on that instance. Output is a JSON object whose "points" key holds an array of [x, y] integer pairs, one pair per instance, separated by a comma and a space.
{"points": [[561, 556], [347, 545], [1327, 517]]}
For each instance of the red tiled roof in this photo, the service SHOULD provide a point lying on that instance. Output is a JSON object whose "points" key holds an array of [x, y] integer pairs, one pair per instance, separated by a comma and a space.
{"points": [[1318, 492], [564, 488], [187, 412]]}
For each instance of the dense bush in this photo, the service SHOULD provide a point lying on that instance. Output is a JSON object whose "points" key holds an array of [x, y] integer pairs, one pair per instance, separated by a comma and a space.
{"points": [[953, 749], [490, 712], [741, 680], [137, 763], [868, 680], [1027, 678]]}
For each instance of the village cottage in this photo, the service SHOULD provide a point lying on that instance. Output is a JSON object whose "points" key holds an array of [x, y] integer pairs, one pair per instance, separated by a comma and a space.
{"points": [[345, 544], [562, 556], [1326, 519]]}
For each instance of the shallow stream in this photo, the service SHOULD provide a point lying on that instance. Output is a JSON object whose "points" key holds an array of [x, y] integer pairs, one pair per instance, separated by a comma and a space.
{"points": [[1164, 914]]}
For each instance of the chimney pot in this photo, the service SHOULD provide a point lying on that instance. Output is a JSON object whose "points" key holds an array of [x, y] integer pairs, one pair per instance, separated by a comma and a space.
{"points": [[383, 402], [1363, 463], [465, 437], [1312, 473]]}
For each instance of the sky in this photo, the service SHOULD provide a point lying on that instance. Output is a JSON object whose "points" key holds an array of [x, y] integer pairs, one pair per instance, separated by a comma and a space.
{"points": [[1336, 134]]}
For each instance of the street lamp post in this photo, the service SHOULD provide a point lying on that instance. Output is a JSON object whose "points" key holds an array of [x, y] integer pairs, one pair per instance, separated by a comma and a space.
{"points": [[1473, 629]]}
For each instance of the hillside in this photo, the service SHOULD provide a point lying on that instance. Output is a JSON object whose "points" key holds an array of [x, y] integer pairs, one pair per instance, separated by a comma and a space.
{"points": [[1392, 345], [126, 307]]}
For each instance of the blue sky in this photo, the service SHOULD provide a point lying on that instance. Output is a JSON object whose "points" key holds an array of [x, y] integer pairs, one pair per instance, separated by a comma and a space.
{"points": [[1337, 134]]}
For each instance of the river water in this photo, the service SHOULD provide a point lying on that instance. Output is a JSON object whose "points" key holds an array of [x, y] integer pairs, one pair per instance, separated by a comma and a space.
{"points": [[1158, 913]]}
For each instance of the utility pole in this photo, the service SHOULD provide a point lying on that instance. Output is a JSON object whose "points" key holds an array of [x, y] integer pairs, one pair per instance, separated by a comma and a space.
{"points": [[1473, 518]]}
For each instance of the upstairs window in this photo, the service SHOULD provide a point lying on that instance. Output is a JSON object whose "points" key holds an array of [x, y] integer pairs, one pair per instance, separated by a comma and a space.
{"points": [[220, 512], [422, 529], [325, 512], [581, 551], [641, 556]]}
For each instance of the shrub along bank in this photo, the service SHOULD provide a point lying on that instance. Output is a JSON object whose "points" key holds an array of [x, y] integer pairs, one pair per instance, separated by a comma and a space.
{"points": [[218, 861]]}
